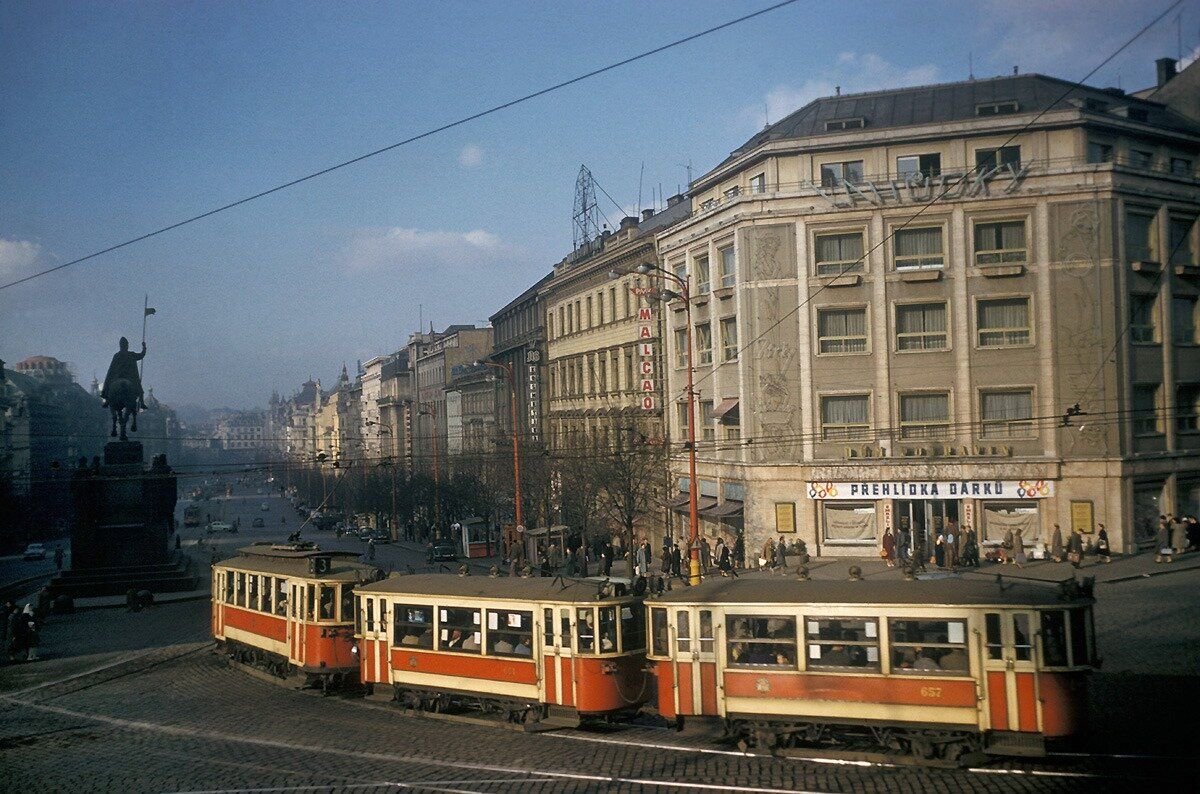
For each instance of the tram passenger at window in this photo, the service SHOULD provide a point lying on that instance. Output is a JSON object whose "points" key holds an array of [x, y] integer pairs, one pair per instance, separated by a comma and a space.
{"points": [[471, 643], [502, 646], [455, 641], [524, 647], [925, 661], [838, 656], [410, 639], [587, 632], [955, 659], [326, 603]]}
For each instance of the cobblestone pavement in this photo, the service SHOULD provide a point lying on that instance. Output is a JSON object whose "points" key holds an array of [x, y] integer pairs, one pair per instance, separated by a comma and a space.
{"points": [[180, 718]]}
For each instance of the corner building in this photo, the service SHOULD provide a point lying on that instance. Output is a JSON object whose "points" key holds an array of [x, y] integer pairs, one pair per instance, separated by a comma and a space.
{"points": [[881, 341]]}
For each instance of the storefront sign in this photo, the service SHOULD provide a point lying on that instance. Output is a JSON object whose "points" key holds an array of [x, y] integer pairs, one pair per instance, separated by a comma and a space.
{"points": [[927, 489], [645, 332], [1082, 516], [785, 517]]}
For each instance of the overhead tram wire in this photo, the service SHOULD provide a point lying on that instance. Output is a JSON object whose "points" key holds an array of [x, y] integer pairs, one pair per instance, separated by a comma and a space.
{"points": [[406, 141], [933, 201]]}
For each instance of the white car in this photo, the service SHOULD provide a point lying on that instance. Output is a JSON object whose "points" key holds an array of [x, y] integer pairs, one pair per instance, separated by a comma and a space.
{"points": [[35, 551], [265, 507]]}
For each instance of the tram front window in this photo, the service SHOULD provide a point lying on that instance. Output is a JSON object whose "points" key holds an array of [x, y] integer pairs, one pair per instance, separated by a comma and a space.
{"points": [[347, 603], [586, 624], [327, 602], [633, 628], [658, 632], [1054, 639], [1021, 637]]}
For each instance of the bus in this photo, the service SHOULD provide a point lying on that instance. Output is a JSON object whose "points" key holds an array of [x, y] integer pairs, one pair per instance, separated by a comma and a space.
{"points": [[191, 516]]}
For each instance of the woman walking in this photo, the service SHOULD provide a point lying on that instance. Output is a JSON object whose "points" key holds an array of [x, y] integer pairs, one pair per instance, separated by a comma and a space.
{"points": [[889, 548]]}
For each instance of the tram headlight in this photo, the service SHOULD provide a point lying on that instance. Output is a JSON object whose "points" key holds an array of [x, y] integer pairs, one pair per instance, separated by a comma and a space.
{"points": [[354, 649]]}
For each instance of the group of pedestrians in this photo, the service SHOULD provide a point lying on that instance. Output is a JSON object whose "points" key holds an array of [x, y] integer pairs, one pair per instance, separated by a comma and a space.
{"points": [[953, 547], [21, 628], [1176, 534]]}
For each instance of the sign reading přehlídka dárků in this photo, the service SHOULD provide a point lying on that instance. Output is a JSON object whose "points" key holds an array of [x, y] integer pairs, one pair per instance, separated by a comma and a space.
{"points": [[932, 489]]}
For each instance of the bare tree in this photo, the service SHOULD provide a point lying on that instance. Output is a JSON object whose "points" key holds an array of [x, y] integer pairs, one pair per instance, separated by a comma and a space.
{"points": [[628, 481]]}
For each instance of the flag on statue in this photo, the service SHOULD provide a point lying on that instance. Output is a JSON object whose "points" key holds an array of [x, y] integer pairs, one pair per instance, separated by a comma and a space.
{"points": [[149, 311]]}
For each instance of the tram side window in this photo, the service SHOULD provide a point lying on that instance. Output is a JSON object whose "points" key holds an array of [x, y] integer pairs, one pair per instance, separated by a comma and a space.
{"points": [[459, 630], [1082, 641], [659, 644], [510, 632], [327, 602], [281, 603], [241, 589], [252, 599], [565, 628], [268, 595], [347, 613], [608, 629], [706, 631], [370, 614], [548, 628], [1054, 639], [761, 640], [413, 625], [633, 628], [928, 646], [310, 602], [229, 587], [991, 624], [1022, 639], [585, 621], [842, 642]]}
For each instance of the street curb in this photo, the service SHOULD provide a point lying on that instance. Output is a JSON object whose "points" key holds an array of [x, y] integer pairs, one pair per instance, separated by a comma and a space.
{"points": [[1149, 574]]}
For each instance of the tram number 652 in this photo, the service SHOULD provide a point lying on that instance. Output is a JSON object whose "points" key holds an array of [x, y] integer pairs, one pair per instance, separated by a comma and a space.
{"points": [[931, 691]]}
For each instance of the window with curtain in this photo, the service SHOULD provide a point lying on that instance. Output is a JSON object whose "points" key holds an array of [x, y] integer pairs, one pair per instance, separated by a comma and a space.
{"points": [[1003, 322], [1140, 237], [924, 415], [1007, 414], [842, 330], [918, 248], [728, 267], [849, 521], [1183, 320], [1000, 243], [681, 272], [758, 183], [1146, 419], [921, 326], [703, 276], [837, 174], [704, 344], [845, 416], [680, 348], [1180, 241], [706, 420], [1187, 407], [918, 165], [838, 254], [1143, 318], [1000, 517], [729, 339]]}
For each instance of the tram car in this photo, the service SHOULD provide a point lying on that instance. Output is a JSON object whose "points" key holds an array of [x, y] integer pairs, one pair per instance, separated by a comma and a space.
{"points": [[941, 669], [541, 651], [289, 609]]}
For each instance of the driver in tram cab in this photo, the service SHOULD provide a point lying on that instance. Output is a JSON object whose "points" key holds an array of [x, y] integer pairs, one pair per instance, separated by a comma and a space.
{"points": [[587, 632]]}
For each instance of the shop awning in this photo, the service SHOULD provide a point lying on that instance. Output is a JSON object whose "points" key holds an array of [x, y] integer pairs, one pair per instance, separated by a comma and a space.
{"points": [[729, 405], [702, 503], [730, 508], [682, 499]]}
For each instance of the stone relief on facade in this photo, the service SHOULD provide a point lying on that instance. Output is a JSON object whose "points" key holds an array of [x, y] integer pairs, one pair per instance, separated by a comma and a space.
{"points": [[1079, 243], [771, 253]]}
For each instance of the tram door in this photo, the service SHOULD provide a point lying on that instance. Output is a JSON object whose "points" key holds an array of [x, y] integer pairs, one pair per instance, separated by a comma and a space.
{"points": [[1011, 666], [558, 660], [295, 626], [695, 661]]}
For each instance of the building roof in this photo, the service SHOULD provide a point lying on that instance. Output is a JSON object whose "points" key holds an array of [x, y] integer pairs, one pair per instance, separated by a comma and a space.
{"points": [[530, 293], [766, 589], [950, 102]]}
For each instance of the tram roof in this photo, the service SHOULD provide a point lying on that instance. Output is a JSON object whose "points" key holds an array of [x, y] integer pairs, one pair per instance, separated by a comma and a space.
{"points": [[292, 560], [510, 588], [768, 589]]}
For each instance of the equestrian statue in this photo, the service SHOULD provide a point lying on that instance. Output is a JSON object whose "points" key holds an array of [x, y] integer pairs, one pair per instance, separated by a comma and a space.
{"points": [[122, 392]]}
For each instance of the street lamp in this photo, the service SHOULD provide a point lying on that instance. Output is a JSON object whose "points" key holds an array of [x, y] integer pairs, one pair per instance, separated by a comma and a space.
{"points": [[646, 269], [512, 390], [423, 410], [388, 428]]}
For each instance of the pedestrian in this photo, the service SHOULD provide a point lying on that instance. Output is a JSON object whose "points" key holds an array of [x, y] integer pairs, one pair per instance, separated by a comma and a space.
{"points": [[951, 547], [18, 631], [608, 558], [544, 562], [903, 545], [1075, 547], [1102, 548], [6, 613], [939, 550], [1006, 547], [665, 566], [781, 551], [970, 550], [917, 560], [58, 554], [1056, 544], [640, 567], [569, 561], [801, 549], [1178, 534], [725, 558], [739, 549], [888, 552], [1019, 547], [31, 634], [44, 602], [767, 558], [705, 555], [429, 553], [371, 549]]}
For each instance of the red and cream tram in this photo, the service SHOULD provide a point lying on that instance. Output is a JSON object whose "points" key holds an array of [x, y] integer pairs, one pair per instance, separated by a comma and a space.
{"points": [[529, 647], [934, 668], [290, 609]]}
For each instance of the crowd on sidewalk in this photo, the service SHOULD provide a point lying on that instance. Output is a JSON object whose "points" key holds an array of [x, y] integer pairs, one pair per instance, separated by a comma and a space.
{"points": [[22, 626]]}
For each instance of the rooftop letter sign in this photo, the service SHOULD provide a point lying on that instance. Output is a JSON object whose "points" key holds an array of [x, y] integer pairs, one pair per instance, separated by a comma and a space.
{"points": [[919, 188]]}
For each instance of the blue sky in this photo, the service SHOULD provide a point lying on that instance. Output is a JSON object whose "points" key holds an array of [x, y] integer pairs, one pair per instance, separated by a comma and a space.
{"points": [[121, 118]]}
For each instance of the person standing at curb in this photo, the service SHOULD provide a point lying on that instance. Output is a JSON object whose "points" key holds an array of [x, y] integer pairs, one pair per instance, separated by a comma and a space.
{"points": [[1102, 548]]}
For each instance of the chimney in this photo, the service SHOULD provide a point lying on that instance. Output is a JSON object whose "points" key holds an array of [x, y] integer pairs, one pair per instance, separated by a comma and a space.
{"points": [[1166, 70], [673, 200], [628, 222], [837, 90], [647, 214]]}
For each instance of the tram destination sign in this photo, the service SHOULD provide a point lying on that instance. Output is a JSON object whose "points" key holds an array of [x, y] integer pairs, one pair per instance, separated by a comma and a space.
{"points": [[931, 489]]}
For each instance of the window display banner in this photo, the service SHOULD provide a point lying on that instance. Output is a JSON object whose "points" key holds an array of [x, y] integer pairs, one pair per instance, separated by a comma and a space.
{"points": [[931, 489]]}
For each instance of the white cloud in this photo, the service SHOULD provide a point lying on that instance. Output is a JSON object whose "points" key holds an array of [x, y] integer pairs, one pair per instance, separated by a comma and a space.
{"points": [[418, 249], [852, 72], [470, 156], [17, 256]]}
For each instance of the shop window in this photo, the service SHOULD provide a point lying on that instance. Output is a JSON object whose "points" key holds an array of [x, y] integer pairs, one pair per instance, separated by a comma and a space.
{"points": [[459, 630], [839, 254], [1000, 243], [756, 640], [658, 632], [924, 415], [918, 249], [849, 521], [1143, 318], [1183, 320], [1146, 417], [842, 330], [929, 646], [921, 326], [1000, 517], [838, 174], [848, 643], [926, 165], [845, 417], [1054, 639], [510, 632], [1003, 323], [1007, 414], [413, 624]]}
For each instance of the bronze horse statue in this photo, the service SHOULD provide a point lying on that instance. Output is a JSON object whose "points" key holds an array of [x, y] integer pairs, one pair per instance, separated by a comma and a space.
{"points": [[122, 403]]}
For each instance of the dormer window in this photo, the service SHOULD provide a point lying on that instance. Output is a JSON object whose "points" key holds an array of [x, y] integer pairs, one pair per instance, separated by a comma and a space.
{"points": [[845, 124], [1095, 105], [1139, 114], [995, 108]]}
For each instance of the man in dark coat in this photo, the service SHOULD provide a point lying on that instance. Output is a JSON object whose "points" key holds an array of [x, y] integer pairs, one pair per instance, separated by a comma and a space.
{"points": [[676, 561], [124, 367]]}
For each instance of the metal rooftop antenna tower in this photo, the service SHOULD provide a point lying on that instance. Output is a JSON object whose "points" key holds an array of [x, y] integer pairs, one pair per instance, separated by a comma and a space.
{"points": [[587, 215]]}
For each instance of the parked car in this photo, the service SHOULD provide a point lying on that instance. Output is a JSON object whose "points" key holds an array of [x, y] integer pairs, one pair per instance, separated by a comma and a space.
{"points": [[445, 551], [221, 526], [265, 506], [379, 536], [35, 551], [257, 522]]}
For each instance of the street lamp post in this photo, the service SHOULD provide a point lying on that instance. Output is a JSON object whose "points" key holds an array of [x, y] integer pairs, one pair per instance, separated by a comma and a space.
{"points": [[392, 460], [512, 391], [422, 410], [693, 513]]}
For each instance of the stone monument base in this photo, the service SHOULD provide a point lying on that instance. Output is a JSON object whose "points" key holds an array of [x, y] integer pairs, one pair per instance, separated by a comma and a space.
{"points": [[172, 577]]}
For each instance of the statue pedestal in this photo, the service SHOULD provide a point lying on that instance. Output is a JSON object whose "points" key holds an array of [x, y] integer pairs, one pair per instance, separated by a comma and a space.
{"points": [[123, 453]]}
